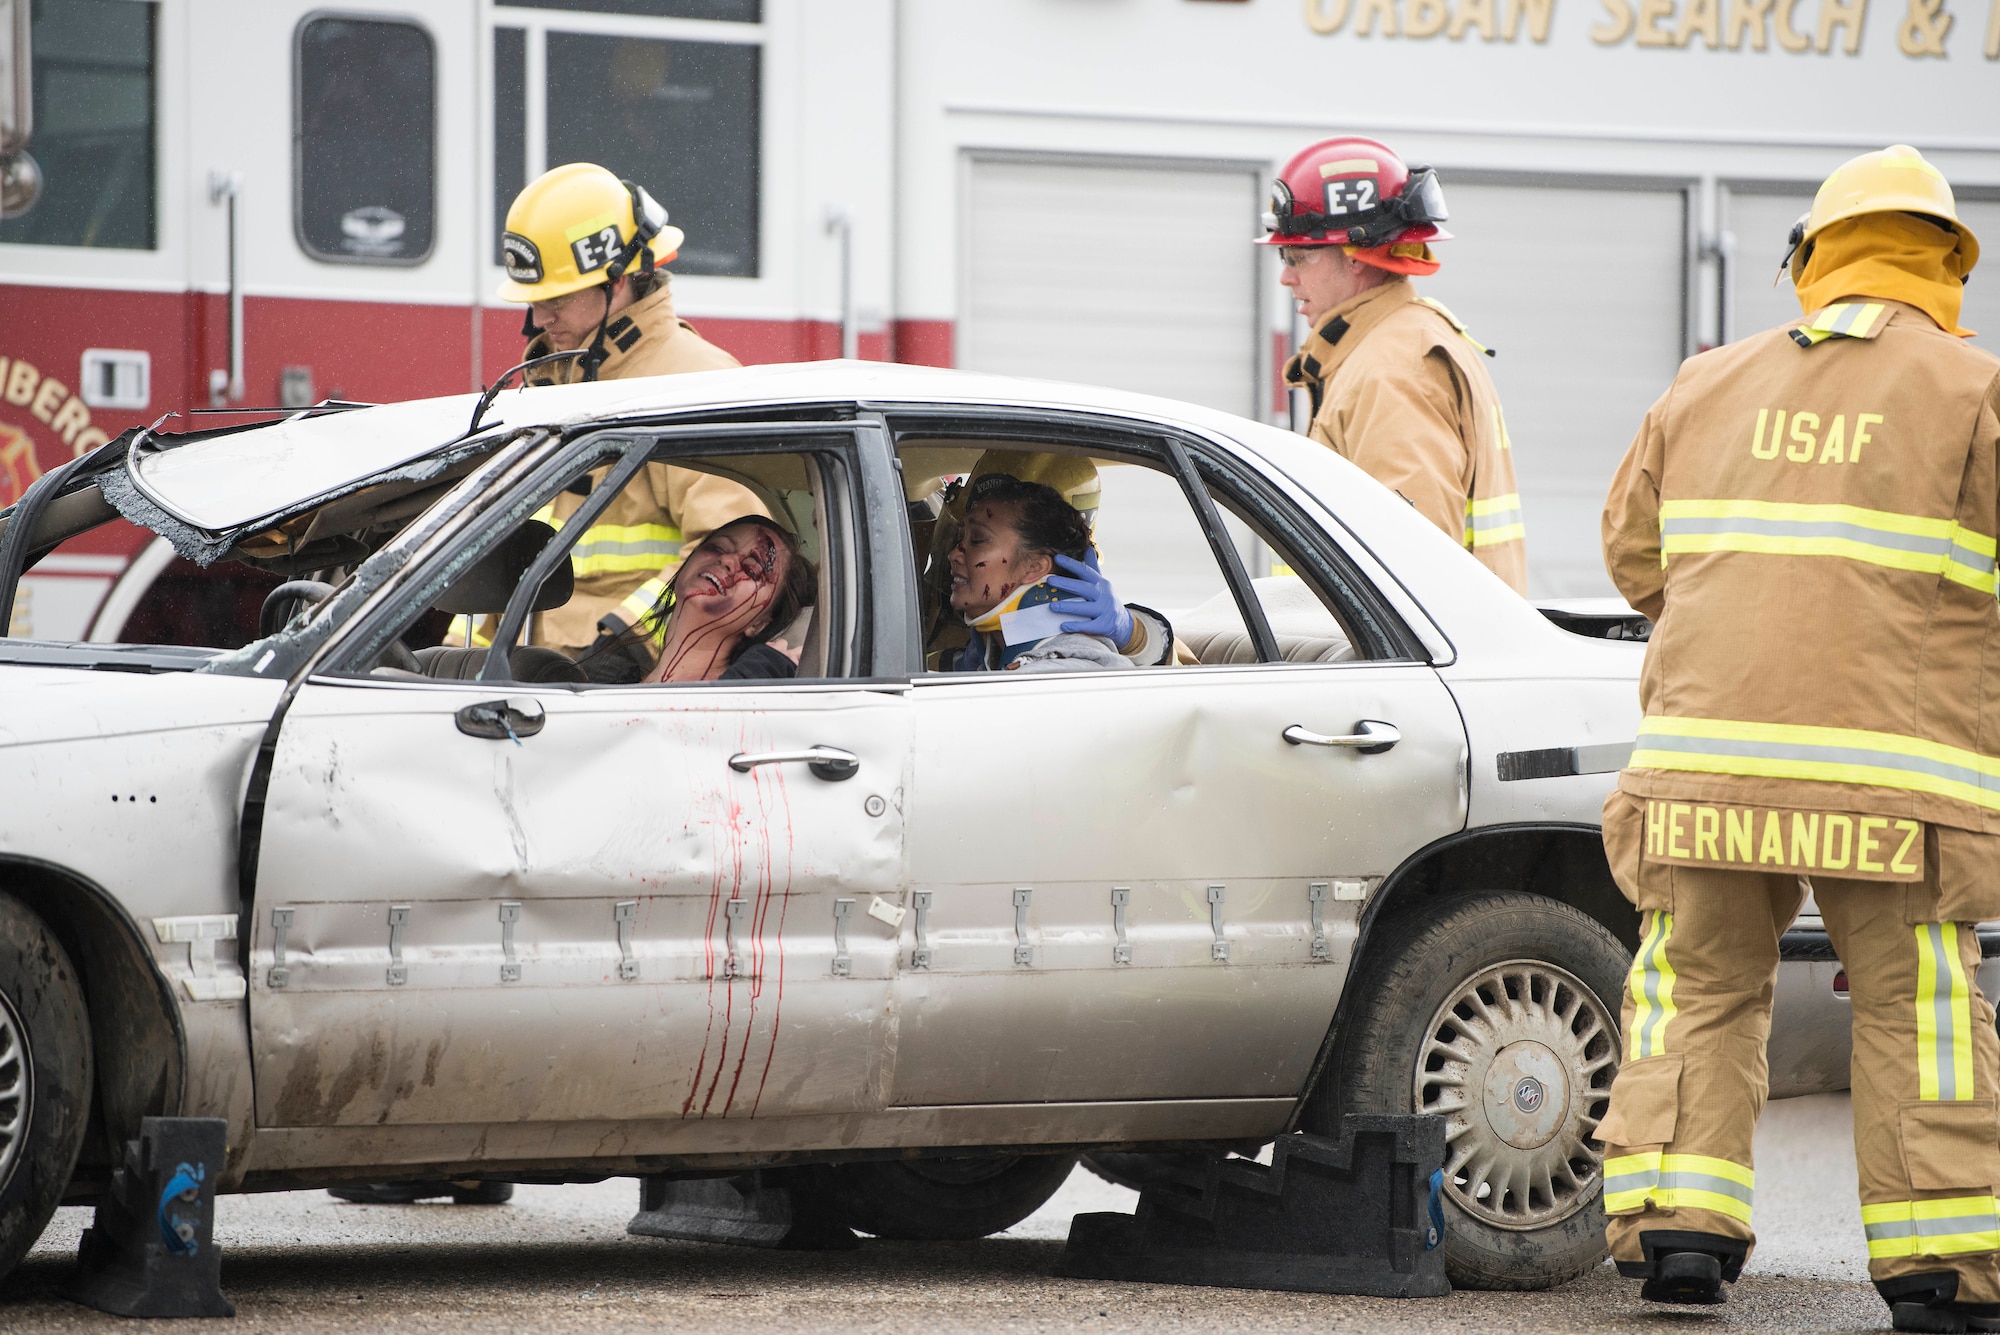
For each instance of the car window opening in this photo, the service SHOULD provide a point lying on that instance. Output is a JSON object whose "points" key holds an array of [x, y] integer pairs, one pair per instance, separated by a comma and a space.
{"points": [[738, 591], [1150, 542]]}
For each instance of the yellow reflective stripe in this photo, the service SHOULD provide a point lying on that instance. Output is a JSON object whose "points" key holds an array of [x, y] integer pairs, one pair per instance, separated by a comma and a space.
{"points": [[547, 514], [1652, 987], [1845, 319], [630, 538], [639, 604], [1848, 317], [1825, 755], [1877, 537], [465, 632], [1949, 1227], [623, 548], [1678, 1182], [1944, 1015], [1493, 519]]}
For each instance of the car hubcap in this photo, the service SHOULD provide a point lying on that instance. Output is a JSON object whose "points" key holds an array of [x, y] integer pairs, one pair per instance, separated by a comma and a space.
{"points": [[16, 1089], [1519, 1062]]}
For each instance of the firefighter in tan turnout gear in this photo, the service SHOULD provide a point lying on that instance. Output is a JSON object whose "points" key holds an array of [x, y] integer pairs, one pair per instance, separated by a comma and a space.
{"points": [[1809, 516], [583, 249], [1397, 385]]}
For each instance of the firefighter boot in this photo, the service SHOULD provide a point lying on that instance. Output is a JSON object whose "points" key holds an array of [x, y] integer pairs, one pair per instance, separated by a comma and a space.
{"points": [[1926, 1302], [1683, 1267]]}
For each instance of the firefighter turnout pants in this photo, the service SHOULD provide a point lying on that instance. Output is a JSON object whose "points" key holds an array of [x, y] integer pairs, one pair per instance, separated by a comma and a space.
{"points": [[1693, 1079]]}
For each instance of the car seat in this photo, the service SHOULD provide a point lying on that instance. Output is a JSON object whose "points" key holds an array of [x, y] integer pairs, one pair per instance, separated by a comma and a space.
{"points": [[484, 590], [1306, 632]]}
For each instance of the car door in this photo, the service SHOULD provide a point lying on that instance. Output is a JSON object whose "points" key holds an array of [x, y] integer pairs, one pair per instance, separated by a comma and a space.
{"points": [[483, 901], [1133, 884]]}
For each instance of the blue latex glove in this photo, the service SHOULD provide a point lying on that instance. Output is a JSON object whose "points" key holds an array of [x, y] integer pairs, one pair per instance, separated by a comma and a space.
{"points": [[1098, 611]]}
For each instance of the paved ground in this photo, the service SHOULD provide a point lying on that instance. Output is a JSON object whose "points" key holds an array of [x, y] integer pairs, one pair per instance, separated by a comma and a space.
{"points": [[558, 1260]]}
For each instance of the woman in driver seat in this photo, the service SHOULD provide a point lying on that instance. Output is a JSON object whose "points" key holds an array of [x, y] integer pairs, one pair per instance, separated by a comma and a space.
{"points": [[718, 620], [1005, 584]]}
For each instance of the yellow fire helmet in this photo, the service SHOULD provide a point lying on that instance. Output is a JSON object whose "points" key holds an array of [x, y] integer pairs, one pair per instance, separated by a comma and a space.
{"points": [[1896, 179], [576, 226]]}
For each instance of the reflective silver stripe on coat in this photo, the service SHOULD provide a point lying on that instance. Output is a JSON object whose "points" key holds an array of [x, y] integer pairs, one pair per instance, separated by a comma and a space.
{"points": [[1828, 528], [1815, 753]]}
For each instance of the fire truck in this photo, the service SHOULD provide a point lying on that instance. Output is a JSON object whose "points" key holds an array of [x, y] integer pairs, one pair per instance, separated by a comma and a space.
{"points": [[217, 206]]}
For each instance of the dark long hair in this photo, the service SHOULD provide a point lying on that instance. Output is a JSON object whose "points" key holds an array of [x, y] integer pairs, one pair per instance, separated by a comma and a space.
{"points": [[1044, 520], [796, 592]]}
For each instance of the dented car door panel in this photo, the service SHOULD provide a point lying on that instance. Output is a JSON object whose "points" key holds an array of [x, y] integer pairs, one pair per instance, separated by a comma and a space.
{"points": [[604, 921], [1037, 799]]}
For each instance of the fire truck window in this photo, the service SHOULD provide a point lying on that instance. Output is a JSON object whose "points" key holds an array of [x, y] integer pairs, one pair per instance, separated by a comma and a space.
{"points": [[735, 11], [510, 125], [365, 141], [93, 126], [681, 119]]}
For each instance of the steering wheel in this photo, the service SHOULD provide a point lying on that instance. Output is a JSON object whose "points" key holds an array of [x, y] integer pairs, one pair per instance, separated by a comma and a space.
{"points": [[277, 603]]}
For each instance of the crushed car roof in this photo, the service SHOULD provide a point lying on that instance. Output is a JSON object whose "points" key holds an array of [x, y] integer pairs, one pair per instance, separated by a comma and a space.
{"points": [[226, 482]]}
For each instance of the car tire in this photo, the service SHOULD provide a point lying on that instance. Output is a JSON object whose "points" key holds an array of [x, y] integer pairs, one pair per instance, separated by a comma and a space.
{"points": [[1499, 1012], [45, 1077], [948, 1200]]}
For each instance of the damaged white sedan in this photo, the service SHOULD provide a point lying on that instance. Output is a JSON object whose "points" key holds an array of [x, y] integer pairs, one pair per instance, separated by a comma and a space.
{"points": [[396, 910]]}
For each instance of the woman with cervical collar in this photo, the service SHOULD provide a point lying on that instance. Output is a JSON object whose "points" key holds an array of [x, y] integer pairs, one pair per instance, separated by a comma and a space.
{"points": [[1004, 583], [746, 583]]}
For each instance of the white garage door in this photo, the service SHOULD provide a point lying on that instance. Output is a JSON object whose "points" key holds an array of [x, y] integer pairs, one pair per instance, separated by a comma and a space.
{"points": [[1140, 278], [1579, 293], [1761, 222]]}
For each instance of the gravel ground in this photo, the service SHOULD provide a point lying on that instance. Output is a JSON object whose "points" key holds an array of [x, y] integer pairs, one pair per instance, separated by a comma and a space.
{"points": [[558, 1259]]}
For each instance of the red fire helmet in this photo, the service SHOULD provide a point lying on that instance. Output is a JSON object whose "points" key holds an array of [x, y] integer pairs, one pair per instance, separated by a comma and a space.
{"points": [[1353, 192]]}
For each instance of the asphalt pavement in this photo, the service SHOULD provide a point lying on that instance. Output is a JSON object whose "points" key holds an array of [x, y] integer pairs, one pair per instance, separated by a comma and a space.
{"points": [[558, 1259]]}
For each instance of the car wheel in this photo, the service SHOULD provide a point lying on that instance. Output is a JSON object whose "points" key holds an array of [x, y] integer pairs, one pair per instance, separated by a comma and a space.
{"points": [[45, 1073], [1499, 1014], [949, 1200]]}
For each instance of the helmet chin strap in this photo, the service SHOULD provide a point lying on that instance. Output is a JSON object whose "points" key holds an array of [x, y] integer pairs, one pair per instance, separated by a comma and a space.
{"points": [[647, 220], [594, 358]]}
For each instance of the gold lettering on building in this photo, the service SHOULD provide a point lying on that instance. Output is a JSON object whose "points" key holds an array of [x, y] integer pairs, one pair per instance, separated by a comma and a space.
{"points": [[1421, 20], [1615, 31], [1922, 30], [1788, 37], [1703, 19], [1850, 14], [1751, 17]]}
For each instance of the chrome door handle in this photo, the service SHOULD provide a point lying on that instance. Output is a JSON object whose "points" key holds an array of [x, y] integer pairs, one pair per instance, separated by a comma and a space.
{"points": [[502, 719], [829, 762], [1371, 737]]}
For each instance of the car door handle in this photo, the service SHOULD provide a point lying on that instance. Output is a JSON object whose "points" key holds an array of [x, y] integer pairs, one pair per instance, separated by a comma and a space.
{"points": [[1371, 737], [502, 720], [829, 762]]}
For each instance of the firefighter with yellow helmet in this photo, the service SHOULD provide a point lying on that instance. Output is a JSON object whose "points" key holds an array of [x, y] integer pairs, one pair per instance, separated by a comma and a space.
{"points": [[1396, 383], [583, 251], [1809, 515]]}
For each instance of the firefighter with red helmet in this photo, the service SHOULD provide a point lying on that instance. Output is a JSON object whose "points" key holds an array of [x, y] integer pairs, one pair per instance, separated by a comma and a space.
{"points": [[1397, 385]]}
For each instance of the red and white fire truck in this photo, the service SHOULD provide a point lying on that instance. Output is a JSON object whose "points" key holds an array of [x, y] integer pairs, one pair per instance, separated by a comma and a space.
{"points": [[214, 204]]}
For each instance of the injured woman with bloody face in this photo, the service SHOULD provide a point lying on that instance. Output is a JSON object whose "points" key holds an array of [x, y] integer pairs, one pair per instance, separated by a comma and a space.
{"points": [[731, 597], [1019, 572]]}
